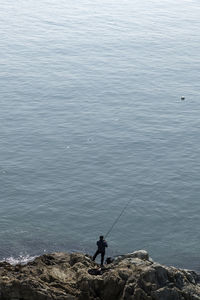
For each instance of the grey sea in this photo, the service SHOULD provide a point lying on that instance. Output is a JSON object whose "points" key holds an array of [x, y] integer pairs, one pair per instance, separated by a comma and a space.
{"points": [[92, 118]]}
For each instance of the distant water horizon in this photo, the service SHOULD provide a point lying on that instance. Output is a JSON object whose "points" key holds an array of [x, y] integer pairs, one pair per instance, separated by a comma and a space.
{"points": [[92, 117]]}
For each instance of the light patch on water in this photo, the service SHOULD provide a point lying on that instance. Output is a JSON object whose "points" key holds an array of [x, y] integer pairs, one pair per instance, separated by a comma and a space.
{"points": [[22, 259]]}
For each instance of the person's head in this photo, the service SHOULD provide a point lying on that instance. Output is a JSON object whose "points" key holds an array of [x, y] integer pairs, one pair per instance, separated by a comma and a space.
{"points": [[101, 237]]}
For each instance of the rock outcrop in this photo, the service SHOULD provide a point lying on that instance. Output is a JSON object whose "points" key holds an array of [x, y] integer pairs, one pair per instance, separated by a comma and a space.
{"points": [[75, 276]]}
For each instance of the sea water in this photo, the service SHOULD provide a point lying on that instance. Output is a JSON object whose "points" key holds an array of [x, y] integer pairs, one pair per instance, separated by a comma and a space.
{"points": [[91, 117]]}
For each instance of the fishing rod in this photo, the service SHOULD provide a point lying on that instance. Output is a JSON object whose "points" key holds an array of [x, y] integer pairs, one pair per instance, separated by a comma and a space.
{"points": [[117, 219]]}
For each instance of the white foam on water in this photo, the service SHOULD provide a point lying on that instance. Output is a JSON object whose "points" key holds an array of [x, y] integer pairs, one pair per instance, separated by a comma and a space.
{"points": [[22, 259]]}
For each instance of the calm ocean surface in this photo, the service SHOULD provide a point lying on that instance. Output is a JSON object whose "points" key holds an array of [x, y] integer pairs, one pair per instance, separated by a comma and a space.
{"points": [[91, 117]]}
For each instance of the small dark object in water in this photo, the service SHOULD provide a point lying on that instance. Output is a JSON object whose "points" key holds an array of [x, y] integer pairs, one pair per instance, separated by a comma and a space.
{"points": [[109, 260], [182, 98]]}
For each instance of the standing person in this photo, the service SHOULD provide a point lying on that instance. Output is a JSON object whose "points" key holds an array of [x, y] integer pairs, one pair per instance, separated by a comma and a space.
{"points": [[101, 244]]}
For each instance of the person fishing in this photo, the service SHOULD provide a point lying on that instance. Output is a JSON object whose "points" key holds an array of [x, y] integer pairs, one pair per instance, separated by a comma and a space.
{"points": [[102, 245]]}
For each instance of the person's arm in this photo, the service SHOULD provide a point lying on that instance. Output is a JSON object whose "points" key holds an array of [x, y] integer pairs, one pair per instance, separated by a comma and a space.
{"points": [[105, 243]]}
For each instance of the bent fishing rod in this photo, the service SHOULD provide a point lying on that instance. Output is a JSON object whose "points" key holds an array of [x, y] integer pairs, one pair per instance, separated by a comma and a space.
{"points": [[117, 219]]}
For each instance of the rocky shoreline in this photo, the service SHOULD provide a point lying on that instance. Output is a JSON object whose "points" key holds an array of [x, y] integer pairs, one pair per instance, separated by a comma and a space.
{"points": [[64, 276]]}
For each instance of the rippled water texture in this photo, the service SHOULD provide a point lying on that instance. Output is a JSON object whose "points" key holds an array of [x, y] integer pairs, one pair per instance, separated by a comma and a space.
{"points": [[91, 116]]}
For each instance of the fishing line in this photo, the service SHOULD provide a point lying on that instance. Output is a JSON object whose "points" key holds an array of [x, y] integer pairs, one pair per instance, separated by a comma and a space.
{"points": [[118, 217]]}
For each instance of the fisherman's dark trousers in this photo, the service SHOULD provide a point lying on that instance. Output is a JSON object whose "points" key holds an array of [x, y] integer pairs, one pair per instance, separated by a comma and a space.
{"points": [[102, 256]]}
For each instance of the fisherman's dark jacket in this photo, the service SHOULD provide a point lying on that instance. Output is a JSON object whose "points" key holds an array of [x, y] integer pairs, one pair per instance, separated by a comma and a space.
{"points": [[102, 244]]}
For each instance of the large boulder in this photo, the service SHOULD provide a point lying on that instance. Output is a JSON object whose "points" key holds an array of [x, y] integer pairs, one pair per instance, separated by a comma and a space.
{"points": [[62, 276]]}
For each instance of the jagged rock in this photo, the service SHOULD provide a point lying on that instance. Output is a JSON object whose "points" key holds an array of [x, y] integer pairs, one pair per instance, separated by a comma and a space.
{"points": [[62, 276], [141, 254]]}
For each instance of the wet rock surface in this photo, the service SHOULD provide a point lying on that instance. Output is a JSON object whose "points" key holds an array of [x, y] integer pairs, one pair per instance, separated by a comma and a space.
{"points": [[75, 276]]}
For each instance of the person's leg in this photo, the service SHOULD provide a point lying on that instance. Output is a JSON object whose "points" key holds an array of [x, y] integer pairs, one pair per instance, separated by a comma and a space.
{"points": [[95, 255], [102, 257]]}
